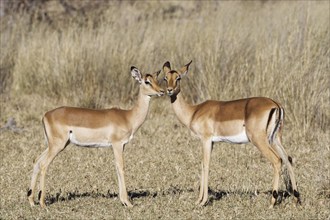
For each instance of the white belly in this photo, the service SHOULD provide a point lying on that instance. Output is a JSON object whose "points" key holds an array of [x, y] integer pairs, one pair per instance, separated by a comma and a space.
{"points": [[88, 143], [237, 139]]}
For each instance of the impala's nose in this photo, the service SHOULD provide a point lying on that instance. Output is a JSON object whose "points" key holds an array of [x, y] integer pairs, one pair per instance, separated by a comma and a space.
{"points": [[169, 91], [161, 92]]}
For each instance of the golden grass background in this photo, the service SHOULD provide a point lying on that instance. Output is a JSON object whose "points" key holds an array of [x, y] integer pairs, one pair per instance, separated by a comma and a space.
{"points": [[79, 53]]}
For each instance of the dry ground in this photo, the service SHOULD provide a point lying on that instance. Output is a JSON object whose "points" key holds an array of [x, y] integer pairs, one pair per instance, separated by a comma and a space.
{"points": [[162, 174], [80, 55]]}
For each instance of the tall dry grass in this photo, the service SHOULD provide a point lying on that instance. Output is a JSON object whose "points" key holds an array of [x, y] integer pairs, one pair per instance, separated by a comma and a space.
{"points": [[239, 49]]}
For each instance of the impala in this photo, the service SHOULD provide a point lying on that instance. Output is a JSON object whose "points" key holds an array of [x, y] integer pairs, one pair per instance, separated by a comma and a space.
{"points": [[95, 128], [257, 120]]}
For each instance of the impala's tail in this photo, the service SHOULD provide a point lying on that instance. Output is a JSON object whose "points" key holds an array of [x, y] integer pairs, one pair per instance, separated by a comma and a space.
{"points": [[276, 121]]}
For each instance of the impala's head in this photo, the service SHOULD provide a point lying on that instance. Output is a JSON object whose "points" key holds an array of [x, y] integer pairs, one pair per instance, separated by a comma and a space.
{"points": [[173, 77], [148, 82]]}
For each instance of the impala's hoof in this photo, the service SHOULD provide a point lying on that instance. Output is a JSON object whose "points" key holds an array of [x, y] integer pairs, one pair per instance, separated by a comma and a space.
{"points": [[297, 197], [203, 203], [298, 202], [30, 197], [198, 202], [31, 203], [127, 203], [42, 205]]}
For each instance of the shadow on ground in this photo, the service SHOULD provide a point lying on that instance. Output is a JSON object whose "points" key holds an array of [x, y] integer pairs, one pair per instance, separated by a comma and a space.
{"points": [[140, 193], [218, 195]]}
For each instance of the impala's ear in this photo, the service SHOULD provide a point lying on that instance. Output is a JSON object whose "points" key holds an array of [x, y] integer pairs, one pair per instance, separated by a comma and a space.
{"points": [[136, 74], [156, 74], [184, 70], [166, 67]]}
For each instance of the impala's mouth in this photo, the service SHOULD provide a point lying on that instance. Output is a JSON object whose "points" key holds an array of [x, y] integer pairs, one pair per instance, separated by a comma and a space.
{"points": [[161, 93], [170, 92]]}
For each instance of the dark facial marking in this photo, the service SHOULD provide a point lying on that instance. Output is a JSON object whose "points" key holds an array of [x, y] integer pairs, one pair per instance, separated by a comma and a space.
{"points": [[290, 159], [173, 98]]}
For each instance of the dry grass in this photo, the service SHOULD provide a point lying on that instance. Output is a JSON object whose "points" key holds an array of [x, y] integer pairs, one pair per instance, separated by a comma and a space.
{"points": [[280, 50]]}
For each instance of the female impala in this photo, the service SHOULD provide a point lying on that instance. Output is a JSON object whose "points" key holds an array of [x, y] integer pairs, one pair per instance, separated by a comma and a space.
{"points": [[256, 120], [95, 128]]}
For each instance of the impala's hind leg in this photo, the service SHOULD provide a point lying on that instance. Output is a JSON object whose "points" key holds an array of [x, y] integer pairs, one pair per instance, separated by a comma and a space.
{"points": [[263, 145], [35, 174], [54, 148], [290, 181]]}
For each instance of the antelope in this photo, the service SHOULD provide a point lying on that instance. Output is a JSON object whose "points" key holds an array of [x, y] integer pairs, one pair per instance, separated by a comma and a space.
{"points": [[257, 120], [95, 128]]}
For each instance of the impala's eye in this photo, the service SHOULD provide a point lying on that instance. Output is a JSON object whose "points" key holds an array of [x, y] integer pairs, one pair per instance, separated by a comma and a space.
{"points": [[178, 78], [165, 78], [147, 82]]}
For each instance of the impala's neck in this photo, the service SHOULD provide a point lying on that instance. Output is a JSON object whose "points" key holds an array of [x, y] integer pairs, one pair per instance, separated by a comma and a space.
{"points": [[182, 109], [138, 113]]}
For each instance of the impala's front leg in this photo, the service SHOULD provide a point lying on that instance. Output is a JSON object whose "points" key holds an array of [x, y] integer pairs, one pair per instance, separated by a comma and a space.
{"points": [[118, 152], [207, 149], [201, 186]]}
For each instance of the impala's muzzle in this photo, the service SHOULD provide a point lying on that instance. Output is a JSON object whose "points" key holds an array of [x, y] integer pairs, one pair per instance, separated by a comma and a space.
{"points": [[161, 92], [170, 91]]}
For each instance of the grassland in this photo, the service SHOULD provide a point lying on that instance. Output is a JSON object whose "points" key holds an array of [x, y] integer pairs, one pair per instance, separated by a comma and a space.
{"points": [[80, 54]]}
